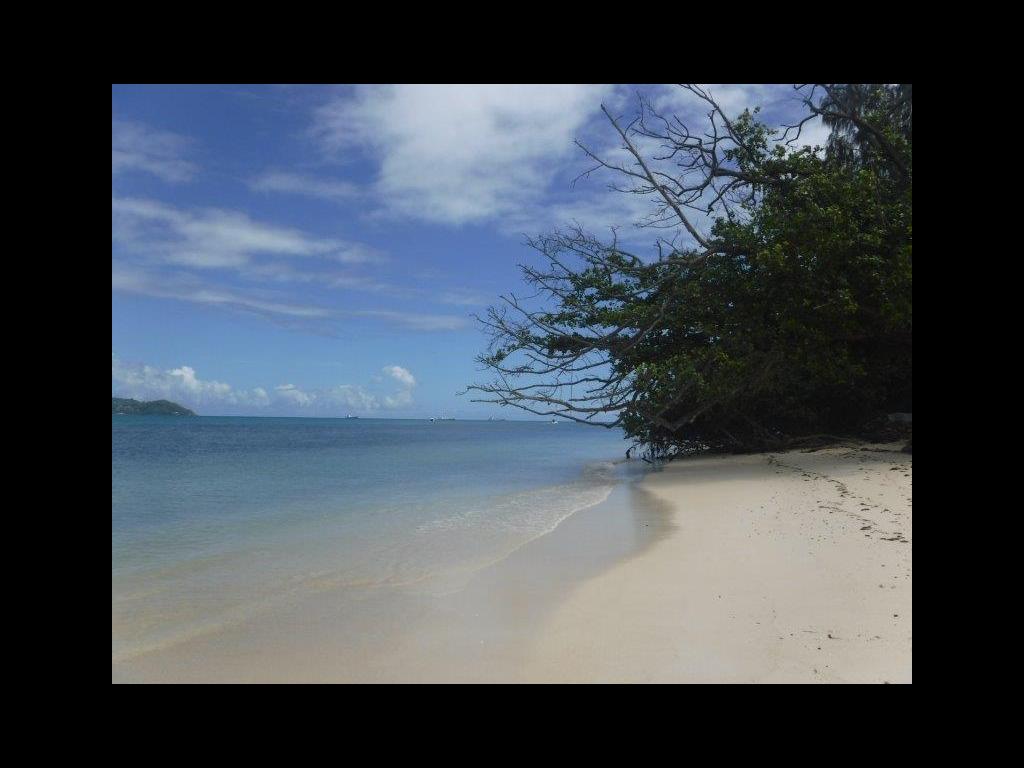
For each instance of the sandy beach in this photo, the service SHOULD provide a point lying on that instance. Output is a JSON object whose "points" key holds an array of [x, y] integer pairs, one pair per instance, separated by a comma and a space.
{"points": [[785, 568], [458, 383], [775, 568]]}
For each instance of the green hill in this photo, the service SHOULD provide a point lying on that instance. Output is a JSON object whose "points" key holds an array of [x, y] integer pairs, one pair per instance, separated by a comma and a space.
{"points": [[128, 407]]}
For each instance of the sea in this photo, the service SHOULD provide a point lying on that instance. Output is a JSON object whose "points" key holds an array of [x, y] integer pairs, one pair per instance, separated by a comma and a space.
{"points": [[217, 521]]}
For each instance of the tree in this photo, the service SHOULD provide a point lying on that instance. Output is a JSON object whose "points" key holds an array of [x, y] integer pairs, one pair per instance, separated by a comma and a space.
{"points": [[867, 122], [789, 318]]}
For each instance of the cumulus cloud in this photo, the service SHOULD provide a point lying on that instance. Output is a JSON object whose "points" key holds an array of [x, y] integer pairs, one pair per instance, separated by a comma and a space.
{"points": [[354, 397], [459, 154], [401, 375], [400, 399], [292, 394], [505, 154], [406, 382], [184, 385], [146, 382], [138, 147]]}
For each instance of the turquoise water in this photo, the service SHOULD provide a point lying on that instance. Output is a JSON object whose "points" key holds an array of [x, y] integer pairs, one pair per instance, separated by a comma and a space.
{"points": [[216, 519]]}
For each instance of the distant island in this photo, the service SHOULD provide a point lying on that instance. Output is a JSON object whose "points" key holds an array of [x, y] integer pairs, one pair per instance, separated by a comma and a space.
{"points": [[123, 406]]}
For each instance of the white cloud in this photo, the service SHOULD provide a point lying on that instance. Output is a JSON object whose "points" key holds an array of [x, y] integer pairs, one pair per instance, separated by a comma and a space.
{"points": [[292, 394], [148, 234], [400, 399], [400, 374], [186, 378], [308, 186], [137, 147], [406, 383], [353, 397], [187, 288], [458, 154], [327, 401], [184, 385], [208, 238]]}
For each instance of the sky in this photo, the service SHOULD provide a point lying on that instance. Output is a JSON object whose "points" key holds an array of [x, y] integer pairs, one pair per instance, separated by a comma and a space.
{"points": [[321, 250]]}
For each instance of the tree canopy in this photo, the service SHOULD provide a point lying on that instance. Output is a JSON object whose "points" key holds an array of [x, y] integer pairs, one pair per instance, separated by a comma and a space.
{"points": [[789, 317]]}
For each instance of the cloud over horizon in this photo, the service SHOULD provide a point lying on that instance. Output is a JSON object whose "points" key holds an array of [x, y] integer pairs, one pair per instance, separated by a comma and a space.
{"points": [[183, 385], [304, 226]]}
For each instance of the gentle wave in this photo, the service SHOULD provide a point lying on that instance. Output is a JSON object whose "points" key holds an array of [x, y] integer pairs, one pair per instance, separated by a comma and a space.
{"points": [[153, 612]]}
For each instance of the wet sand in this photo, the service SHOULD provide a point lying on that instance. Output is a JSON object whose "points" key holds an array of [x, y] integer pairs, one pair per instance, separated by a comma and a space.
{"points": [[459, 627], [791, 567]]}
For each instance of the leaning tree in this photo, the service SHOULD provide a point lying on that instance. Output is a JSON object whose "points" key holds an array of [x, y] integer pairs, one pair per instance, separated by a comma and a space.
{"points": [[780, 311]]}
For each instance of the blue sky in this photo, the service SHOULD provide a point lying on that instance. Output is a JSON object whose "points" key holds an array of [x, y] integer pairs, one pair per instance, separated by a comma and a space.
{"points": [[318, 250]]}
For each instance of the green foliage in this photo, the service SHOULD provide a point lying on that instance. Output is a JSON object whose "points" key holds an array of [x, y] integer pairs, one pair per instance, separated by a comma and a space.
{"points": [[796, 321]]}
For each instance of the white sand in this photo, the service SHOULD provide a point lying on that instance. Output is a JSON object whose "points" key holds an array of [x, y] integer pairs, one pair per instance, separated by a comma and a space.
{"points": [[768, 574], [715, 569]]}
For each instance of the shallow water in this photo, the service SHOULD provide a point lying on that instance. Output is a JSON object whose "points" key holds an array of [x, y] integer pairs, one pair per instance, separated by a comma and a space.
{"points": [[217, 522]]}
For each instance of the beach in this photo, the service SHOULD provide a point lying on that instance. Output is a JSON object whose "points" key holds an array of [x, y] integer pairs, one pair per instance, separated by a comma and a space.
{"points": [[775, 568], [782, 567], [475, 383]]}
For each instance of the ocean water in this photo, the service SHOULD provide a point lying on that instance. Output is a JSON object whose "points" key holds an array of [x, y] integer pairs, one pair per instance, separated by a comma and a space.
{"points": [[217, 520]]}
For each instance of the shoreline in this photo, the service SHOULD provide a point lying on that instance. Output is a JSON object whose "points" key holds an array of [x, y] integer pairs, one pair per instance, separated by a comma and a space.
{"points": [[786, 567], [466, 624], [751, 568]]}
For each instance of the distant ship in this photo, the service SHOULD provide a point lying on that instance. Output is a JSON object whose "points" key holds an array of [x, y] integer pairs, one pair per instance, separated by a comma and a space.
{"points": [[442, 417], [350, 416]]}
